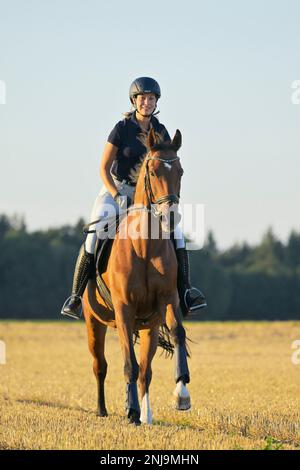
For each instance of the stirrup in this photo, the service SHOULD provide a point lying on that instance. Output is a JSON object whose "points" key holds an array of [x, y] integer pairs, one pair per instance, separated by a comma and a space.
{"points": [[197, 306], [66, 314]]}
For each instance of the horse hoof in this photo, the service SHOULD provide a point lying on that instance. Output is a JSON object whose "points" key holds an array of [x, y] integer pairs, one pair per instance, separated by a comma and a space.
{"points": [[182, 397], [102, 414], [135, 423], [182, 403], [134, 417]]}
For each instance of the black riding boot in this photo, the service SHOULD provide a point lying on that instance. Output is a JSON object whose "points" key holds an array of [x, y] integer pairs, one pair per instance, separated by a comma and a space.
{"points": [[191, 299], [83, 269]]}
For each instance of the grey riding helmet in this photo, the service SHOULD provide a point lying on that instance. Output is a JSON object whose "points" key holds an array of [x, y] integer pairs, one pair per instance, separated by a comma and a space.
{"points": [[144, 85]]}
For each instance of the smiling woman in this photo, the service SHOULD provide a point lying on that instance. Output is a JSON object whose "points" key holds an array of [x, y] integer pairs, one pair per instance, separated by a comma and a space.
{"points": [[145, 105], [124, 150]]}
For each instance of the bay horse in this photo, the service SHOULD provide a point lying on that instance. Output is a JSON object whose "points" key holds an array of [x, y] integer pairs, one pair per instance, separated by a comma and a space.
{"points": [[142, 277]]}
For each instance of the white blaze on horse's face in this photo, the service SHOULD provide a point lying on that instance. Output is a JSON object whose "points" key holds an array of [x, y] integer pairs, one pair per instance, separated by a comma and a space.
{"points": [[165, 174]]}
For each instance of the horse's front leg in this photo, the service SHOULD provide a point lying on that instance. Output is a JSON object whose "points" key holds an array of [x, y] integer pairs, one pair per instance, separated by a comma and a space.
{"points": [[182, 374], [96, 338], [125, 320], [149, 342]]}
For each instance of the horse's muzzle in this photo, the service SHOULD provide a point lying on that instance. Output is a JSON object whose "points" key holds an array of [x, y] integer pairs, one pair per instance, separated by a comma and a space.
{"points": [[169, 217]]}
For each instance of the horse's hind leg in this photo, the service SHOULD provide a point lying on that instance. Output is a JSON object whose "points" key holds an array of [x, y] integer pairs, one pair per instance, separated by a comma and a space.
{"points": [[149, 341], [96, 339]]}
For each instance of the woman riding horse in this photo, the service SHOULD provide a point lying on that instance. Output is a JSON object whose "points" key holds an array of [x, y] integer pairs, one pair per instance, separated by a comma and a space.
{"points": [[123, 151]]}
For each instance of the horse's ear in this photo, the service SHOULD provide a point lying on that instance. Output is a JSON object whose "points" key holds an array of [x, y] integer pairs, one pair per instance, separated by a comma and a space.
{"points": [[177, 139], [151, 140]]}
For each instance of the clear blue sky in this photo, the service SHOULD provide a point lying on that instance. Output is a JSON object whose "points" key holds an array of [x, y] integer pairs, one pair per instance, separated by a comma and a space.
{"points": [[225, 70]]}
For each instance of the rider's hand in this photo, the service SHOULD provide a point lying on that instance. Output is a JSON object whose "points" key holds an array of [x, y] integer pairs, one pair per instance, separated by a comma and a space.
{"points": [[123, 201]]}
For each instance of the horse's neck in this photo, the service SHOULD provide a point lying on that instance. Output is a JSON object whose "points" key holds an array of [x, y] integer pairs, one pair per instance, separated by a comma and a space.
{"points": [[150, 241], [149, 249], [145, 246], [140, 196]]}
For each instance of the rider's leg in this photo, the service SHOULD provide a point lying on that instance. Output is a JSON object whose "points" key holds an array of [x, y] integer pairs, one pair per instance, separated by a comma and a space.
{"points": [[83, 270], [191, 299], [104, 207]]}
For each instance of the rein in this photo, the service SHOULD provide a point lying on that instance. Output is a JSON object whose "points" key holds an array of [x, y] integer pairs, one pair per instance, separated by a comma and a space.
{"points": [[171, 198]]}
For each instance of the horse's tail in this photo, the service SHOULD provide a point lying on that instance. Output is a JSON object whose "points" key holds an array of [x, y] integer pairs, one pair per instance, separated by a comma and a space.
{"points": [[164, 340]]}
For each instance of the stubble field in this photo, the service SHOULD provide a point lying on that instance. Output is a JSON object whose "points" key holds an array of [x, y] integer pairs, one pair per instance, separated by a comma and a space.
{"points": [[245, 390]]}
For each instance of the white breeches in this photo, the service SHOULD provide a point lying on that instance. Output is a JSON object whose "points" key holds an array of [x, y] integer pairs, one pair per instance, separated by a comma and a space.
{"points": [[105, 206]]}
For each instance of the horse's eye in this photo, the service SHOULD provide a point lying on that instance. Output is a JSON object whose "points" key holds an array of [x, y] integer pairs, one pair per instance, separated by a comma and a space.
{"points": [[152, 173]]}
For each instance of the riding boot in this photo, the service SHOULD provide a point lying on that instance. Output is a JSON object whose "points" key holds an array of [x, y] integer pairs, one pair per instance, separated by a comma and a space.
{"points": [[191, 299], [83, 270]]}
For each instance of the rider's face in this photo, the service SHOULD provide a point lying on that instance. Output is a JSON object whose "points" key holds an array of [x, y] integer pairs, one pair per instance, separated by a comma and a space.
{"points": [[146, 103]]}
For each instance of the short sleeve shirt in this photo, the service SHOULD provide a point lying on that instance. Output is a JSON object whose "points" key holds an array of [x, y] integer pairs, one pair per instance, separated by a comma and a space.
{"points": [[126, 136]]}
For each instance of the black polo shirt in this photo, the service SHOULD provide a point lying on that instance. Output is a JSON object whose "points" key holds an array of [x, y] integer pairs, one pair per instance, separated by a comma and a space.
{"points": [[125, 135]]}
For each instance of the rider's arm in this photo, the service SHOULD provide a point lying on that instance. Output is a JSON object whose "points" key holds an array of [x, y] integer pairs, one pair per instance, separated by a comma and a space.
{"points": [[108, 156]]}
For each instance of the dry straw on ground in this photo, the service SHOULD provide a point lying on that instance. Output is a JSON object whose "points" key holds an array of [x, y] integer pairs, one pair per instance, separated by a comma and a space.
{"points": [[244, 387]]}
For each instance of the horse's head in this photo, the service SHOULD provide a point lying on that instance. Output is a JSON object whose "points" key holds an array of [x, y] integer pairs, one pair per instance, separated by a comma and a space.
{"points": [[160, 178]]}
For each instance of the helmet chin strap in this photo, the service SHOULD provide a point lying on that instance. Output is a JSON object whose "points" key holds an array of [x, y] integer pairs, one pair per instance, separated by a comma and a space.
{"points": [[148, 115], [145, 115]]}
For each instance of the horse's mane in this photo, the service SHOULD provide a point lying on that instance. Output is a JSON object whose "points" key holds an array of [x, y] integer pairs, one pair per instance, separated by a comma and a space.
{"points": [[161, 144]]}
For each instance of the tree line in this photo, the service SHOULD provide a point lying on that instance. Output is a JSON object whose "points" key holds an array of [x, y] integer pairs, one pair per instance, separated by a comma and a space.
{"points": [[244, 282]]}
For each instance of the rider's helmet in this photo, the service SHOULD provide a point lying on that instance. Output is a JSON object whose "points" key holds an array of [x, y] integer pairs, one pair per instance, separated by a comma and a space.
{"points": [[144, 85]]}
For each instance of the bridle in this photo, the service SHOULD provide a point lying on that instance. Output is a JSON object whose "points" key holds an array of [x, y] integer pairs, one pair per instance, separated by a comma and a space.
{"points": [[169, 198], [151, 203]]}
